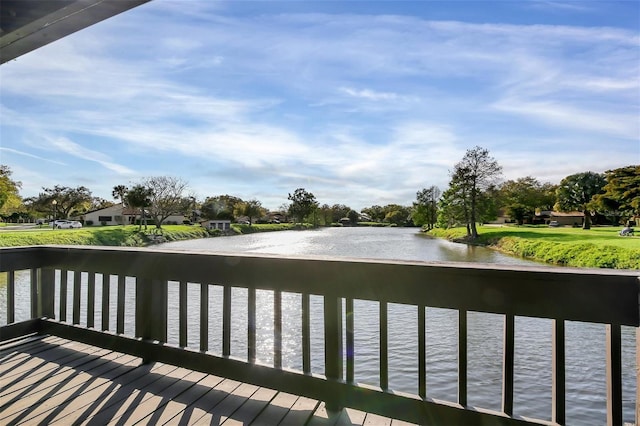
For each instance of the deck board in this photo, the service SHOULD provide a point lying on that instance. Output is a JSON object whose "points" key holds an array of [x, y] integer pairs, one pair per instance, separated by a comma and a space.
{"points": [[56, 381]]}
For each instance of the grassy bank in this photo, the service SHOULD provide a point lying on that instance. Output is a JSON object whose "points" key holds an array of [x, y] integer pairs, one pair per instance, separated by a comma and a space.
{"points": [[600, 247], [128, 236]]}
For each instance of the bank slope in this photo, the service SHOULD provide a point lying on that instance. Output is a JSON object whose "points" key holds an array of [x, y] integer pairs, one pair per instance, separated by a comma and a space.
{"points": [[595, 248]]}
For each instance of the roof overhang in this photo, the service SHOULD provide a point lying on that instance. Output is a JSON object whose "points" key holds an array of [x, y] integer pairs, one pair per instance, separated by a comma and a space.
{"points": [[26, 25]]}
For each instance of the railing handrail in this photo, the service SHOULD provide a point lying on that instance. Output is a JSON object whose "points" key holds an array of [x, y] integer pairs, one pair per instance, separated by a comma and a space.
{"points": [[578, 294]]}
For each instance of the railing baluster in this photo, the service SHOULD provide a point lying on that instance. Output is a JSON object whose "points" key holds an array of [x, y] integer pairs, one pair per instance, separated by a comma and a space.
{"points": [[46, 292], [182, 313], [151, 310], [558, 372], [106, 300], [462, 357], [277, 329], [507, 365], [204, 317], [333, 345], [306, 333], [226, 321], [11, 297], [91, 299], [77, 282], [33, 280], [422, 353], [350, 340], [614, 374], [251, 325], [64, 277], [120, 309], [384, 347]]}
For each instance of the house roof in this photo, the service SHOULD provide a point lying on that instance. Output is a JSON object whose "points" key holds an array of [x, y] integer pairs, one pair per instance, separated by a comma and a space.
{"points": [[567, 214], [119, 205], [560, 214]]}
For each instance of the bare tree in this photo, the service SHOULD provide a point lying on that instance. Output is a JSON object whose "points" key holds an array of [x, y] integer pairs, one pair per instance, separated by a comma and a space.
{"points": [[166, 197]]}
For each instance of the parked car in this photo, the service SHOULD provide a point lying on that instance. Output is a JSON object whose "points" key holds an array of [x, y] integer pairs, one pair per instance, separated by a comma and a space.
{"points": [[554, 223], [65, 224]]}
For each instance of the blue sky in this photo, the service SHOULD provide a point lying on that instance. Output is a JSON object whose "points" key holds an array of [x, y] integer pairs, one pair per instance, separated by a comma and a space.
{"points": [[359, 102]]}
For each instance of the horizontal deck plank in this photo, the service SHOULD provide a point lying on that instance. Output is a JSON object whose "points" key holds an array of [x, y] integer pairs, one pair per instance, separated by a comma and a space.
{"points": [[58, 381]]}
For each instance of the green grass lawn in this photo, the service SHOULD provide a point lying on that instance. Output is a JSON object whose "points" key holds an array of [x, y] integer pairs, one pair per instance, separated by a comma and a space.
{"points": [[599, 247], [600, 236], [99, 235]]}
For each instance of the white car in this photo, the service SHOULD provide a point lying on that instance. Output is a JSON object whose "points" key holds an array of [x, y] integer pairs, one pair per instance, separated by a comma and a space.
{"points": [[65, 224]]}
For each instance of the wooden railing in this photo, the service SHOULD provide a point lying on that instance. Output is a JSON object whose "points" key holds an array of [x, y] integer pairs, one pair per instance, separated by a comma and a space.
{"points": [[596, 296]]}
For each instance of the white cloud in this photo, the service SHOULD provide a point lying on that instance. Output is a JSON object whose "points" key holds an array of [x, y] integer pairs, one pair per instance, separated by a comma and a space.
{"points": [[369, 94], [35, 157], [73, 149]]}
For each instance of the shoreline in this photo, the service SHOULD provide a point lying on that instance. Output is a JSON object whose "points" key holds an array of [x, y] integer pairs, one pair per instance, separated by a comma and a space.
{"points": [[562, 247]]}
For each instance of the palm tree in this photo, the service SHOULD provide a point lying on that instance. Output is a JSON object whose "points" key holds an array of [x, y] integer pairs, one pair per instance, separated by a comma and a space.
{"points": [[139, 197], [119, 193]]}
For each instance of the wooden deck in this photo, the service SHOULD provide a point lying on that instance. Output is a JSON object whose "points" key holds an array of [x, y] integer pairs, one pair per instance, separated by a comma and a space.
{"points": [[50, 380]]}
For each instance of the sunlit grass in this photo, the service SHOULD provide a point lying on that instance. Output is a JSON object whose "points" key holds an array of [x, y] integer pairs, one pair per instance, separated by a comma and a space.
{"points": [[599, 247], [101, 235]]}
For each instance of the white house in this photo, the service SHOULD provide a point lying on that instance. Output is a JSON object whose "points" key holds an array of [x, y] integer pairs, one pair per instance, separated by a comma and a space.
{"points": [[120, 215], [114, 215]]}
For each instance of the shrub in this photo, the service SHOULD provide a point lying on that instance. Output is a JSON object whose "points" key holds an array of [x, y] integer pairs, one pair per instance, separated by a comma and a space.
{"points": [[89, 223]]}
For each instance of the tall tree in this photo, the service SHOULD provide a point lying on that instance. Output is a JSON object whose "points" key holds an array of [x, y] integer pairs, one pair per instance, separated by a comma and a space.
{"points": [[453, 209], [98, 203], [139, 197], [326, 214], [339, 211], [166, 197], [375, 212], [471, 177], [220, 207], [621, 196], [523, 196], [252, 209], [425, 208], [67, 200], [576, 191], [10, 200], [118, 192], [303, 203]]}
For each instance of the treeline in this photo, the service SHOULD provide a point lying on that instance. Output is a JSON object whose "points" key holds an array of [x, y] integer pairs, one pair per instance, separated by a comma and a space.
{"points": [[476, 194]]}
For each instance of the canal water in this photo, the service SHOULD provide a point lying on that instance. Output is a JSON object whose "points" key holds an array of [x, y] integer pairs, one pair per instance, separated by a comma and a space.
{"points": [[585, 347]]}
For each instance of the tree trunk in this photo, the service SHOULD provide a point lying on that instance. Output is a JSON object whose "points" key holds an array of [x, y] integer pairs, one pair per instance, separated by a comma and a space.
{"points": [[586, 223]]}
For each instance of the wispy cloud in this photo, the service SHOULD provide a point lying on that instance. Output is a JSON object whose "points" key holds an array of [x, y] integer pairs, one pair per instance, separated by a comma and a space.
{"points": [[76, 150], [369, 104], [29, 155]]}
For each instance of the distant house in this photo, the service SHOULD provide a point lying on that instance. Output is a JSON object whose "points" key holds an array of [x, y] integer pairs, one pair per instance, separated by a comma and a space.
{"points": [[120, 215], [501, 218], [563, 218], [223, 225], [114, 215]]}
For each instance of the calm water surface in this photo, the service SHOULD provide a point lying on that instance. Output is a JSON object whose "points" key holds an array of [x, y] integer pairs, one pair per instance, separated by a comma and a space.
{"points": [[585, 351]]}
